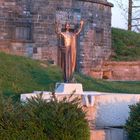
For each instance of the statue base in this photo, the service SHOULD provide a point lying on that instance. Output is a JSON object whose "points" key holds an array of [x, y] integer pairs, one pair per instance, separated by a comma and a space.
{"points": [[68, 88]]}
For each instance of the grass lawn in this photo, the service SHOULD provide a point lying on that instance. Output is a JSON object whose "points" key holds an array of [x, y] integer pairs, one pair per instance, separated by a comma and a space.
{"points": [[90, 84], [126, 45], [22, 75]]}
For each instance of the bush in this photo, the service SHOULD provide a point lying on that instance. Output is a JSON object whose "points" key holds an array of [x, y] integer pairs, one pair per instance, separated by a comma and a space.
{"points": [[39, 119], [133, 122]]}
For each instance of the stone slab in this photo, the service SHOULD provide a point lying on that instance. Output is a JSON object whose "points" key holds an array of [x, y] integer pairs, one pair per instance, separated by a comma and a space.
{"points": [[25, 97], [113, 109], [69, 88]]}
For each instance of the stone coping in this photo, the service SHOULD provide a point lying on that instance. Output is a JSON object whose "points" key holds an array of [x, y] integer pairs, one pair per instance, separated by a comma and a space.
{"points": [[99, 2], [121, 63], [91, 93]]}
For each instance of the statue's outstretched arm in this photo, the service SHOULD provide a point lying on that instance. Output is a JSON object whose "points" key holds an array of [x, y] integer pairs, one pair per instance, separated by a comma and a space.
{"points": [[81, 26]]}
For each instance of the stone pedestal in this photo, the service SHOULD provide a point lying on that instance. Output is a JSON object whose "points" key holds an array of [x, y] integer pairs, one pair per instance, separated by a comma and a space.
{"points": [[69, 88]]}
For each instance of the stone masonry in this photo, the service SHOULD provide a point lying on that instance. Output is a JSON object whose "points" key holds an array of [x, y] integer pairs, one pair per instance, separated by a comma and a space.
{"points": [[27, 28]]}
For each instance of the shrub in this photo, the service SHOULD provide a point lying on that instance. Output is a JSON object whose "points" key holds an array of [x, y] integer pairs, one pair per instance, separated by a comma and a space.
{"points": [[133, 122], [39, 119]]}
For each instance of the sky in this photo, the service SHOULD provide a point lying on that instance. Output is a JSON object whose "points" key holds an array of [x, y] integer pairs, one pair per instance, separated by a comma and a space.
{"points": [[118, 15]]}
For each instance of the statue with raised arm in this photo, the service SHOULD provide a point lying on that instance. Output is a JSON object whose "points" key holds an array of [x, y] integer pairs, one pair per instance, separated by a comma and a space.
{"points": [[69, 51]]}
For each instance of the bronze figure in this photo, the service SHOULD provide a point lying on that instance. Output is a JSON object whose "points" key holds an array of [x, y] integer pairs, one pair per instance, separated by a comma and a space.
{"points": [[69, 51]]}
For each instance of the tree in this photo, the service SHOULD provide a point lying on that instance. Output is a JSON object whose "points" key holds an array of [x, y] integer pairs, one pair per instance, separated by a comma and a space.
{"points": [[130, 10]]}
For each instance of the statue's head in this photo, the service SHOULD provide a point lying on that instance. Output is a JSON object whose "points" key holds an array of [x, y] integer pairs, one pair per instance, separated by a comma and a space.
{"points": [[67, 26]]}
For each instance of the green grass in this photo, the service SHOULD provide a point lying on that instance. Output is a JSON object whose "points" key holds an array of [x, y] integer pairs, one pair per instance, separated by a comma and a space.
{"points": [[90, 84], [20, 74], [126, 45]]}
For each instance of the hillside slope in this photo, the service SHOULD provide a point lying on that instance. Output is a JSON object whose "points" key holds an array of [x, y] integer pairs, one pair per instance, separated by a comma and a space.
{"points": [[90, 84], [20, 74], [126, 45]]}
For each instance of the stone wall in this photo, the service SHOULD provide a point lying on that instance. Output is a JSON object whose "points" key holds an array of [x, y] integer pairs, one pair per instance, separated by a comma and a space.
{"points": [[112, 110], [121, 71], [13, 16], [28, 28]]}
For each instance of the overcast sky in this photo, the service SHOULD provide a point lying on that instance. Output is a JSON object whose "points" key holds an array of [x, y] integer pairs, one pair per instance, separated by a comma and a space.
{"points": [[118, 15]]}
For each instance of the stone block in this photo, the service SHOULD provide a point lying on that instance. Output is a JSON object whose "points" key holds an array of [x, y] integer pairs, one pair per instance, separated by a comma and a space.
{"points": [[69, 88], [97, 135], [108, 134], [107, 74], [113, 109], [96, 74]]}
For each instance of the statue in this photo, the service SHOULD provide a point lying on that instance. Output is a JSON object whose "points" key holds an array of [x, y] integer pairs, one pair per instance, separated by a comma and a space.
{"points": [[69, 50]]}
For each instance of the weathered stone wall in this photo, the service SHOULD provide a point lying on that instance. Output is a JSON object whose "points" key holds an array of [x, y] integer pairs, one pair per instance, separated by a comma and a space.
{"points": [[5, 9], [121, 71], [12, 15], [36, 18]]}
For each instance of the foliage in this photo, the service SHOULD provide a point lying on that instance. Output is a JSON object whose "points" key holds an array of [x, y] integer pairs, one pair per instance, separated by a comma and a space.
{"points": [[133, 122], [20, 74], [40, 119], [126, 45], [90, 84]]}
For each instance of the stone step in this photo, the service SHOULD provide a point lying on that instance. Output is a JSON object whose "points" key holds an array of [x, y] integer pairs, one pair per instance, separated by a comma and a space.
{"points": [[108, 134]]}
